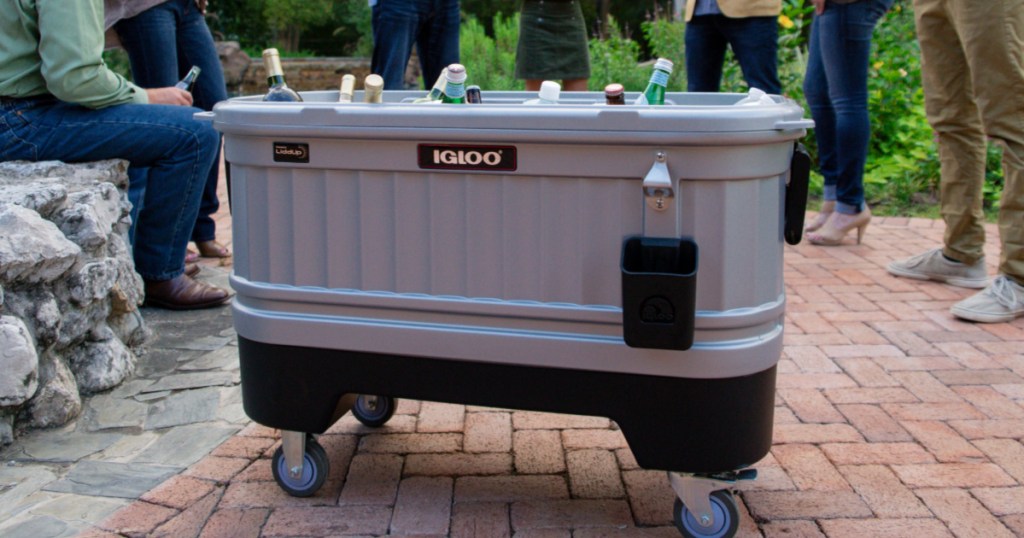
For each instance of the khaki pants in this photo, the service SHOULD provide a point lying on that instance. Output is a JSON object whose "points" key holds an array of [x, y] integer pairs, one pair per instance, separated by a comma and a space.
{"points": [[972, 63]]}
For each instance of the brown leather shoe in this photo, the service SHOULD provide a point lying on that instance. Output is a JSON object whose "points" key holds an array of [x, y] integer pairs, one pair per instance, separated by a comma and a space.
{"points": [[212, 249], [183, 293], [191, 269]]}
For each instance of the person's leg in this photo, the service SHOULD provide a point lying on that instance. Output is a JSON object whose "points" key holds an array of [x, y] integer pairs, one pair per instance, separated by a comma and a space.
{"points": [[705, 52], [993, 38], [755, 43], [394, 28], [818, 100], [845, 33], [438, 42], [195, 46], [953, 114], [176, 149]]}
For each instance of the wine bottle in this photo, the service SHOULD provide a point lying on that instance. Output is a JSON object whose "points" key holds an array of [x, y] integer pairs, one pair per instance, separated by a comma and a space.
{"points": [[373, 89], [435, 94], [189, 81], [473, 95], [655, 92], [614, 94], [347, 89], [279, 90], [455, 85]]}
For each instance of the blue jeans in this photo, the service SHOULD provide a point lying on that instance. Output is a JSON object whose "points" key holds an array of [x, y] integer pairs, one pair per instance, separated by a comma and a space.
{"points": [[431, 25], [836, 88], [177, 151], [163, 43], [754, 42]]}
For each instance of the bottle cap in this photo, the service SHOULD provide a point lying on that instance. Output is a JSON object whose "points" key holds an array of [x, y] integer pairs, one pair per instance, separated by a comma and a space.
{"points": [[614, 89], [549, 90], [664, 64], [456, 73]]}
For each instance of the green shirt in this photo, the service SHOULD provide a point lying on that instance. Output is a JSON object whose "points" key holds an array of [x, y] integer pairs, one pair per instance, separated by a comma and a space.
{"points": [[56, 47]]}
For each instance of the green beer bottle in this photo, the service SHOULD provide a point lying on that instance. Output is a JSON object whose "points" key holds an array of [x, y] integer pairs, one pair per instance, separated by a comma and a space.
{"points": [[655, 92], [455, 87]]}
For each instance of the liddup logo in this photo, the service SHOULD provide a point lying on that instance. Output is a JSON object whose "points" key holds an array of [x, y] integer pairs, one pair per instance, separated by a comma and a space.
{"points": [[467, 157]]}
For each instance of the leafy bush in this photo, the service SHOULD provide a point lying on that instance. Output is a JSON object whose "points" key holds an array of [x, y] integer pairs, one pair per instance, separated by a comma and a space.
{"points": [[491, 62]]}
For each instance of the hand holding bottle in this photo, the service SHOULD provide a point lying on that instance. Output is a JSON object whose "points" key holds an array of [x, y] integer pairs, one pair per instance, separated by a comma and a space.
{"points": [[169, 96]]}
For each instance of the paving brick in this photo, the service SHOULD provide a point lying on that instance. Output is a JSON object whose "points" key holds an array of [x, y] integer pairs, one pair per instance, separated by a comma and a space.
{"points": [[650, 497], [437, 417], [270, 495], [867, 373], [539, 451], [860, 333], [816, 433], [544, 533], [138, 518], [953, 475], [885, 528], [328, 521], [533, 420], [235, 522], [942, 441], [1001, 501], [480, 520], [811, 322], [814, 381], [488, 432], [574, 514], [1006, 453], [865, 395], [964, 515], [190, 521], [810, 405], [874, 423], [258, 430], [243, 447], [372, 479], [883, 491], [340, 449], [809, 469], [985, 429], [968, 355], [178, 492], [605, 438], [990, 402], [1014, 523], [593, 474], [510, 488], [350, 425], [926, 387], [792, 529], [633, 532], [912, 345], [810, 359], [627, 461], [778, 505], [977, 377], [257, 471], [423, 506], [876, 453], [457, 463], [916, 364], [411, 443], [217, 469]]}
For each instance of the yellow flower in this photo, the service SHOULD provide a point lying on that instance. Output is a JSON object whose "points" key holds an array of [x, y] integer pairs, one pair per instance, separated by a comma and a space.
{"points": [[879, 64], [785, 21], [903, 72]]}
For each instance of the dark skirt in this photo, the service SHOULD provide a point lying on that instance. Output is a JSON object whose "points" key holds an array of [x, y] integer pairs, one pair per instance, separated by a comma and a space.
{"points": [[552, 41]]}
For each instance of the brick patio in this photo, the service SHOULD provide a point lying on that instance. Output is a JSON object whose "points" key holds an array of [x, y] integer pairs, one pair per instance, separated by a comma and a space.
{"points": [[892, 419]]}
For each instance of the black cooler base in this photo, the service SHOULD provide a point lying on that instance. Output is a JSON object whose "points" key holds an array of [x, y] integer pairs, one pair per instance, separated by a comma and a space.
{"points": [[673, 424]]}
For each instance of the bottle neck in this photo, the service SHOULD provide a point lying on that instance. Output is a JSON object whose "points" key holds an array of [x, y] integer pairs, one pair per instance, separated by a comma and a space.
{"points": [[275, 81]]}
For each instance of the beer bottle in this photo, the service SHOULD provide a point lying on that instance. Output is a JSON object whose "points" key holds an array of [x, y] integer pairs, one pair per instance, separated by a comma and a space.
{"points": [[455, 85], [373, 89], [189, 81], [473, 95], [614, 94], [347, 89], [279, 90], [655, 92], [435, 94]]}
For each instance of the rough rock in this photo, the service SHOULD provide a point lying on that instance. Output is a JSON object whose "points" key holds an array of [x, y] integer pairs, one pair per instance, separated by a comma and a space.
{"points": [[19, 364]]}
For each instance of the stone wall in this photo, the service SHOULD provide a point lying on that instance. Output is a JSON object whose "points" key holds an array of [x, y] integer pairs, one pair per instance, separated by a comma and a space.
{"points": [[69, 294], [303, 74]]}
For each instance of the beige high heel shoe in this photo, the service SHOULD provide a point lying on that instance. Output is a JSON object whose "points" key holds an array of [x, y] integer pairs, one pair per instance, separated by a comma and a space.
{"points": [[838, 225], [827, 207]]}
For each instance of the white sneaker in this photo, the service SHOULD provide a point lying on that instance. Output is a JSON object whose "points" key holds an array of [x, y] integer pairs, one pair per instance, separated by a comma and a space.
{"points": [[1002, 300], [932, 265]]}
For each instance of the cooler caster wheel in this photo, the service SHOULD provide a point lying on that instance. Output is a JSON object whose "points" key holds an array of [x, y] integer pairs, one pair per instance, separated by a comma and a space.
{"points": [[374, 411], [727, 518], [315, 467]]}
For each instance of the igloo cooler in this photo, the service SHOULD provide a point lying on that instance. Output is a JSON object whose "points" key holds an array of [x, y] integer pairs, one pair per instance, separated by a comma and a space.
{"points": [[614, 261]]}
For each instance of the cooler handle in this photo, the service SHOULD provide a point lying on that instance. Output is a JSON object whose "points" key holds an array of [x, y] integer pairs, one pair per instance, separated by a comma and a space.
{"points": [[794, 125]]}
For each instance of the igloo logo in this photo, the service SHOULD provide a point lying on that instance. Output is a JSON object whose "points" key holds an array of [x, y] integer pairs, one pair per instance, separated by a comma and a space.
{"points": [[451, 157]]}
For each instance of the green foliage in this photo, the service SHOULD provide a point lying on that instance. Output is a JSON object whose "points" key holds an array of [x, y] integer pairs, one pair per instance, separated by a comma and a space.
{"points": [[615, 59], [354, 28], [490, 62], [667, 39]]}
